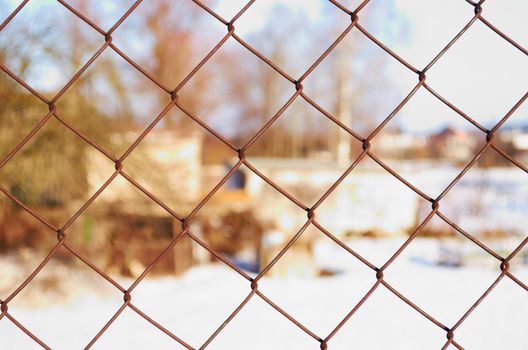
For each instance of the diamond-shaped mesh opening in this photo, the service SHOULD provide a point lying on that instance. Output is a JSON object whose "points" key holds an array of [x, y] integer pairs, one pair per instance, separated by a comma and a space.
{"points": [[112, 235], [172, 49], [301, 17], [434, 167], [23, 176], [113, 93], [308, 284], [215, 92], [161, 162], [359, 101], [38, 55], [82, 188], [190, 295], [298, 152], [482, 328], [403, 327], [464, 84], [428, 31], [441, 296], [132, 330], [76, 292], [488, 202], [103, 13], [377, 203], [258, 330]]}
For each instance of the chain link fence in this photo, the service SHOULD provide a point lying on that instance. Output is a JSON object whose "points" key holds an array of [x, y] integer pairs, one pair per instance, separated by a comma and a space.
{"points": [[322, 341]]}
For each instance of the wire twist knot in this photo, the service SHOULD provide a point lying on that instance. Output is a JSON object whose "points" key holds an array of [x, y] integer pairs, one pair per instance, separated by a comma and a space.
{"points": [[354, 18], [242, 154], [505, 266], [490, 135], [254, 284], [127, 297], [230, 28], [174, 96], [185, 224], [60, 235], [298, 85]]}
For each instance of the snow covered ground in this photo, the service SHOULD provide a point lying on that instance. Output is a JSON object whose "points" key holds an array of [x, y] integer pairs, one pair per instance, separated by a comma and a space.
{"points": [[194, 305]]}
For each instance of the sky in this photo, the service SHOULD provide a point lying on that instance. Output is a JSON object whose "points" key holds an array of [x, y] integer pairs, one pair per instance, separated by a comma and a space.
{"points": [[482, 74]]}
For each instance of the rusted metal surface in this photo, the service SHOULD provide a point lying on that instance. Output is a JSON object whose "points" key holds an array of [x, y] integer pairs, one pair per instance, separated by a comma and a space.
{"points": [[322, 341]]}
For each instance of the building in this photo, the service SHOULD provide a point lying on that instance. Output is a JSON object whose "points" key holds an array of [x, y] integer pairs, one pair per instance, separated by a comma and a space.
{"points": [[395, 144], [516, 140], [166, 163], [453, 144], [130, 227]]}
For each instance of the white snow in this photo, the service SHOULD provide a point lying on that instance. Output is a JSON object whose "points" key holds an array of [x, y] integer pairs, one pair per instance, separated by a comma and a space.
{"points": [[195, 304]]}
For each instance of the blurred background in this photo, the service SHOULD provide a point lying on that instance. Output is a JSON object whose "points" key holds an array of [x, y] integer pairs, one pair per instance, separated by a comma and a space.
{"points": [[247, 221]]}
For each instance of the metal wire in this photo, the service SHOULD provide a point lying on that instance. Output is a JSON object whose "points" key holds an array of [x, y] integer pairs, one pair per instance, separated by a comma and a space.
{"points": [[323, 341]]}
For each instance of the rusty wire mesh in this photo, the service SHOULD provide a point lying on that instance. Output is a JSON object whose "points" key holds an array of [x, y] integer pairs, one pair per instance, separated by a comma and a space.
{"points": [[321, 340]]}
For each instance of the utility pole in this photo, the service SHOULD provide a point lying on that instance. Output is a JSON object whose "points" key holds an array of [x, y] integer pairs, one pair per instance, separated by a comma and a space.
{"points": [[341, 141]]}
